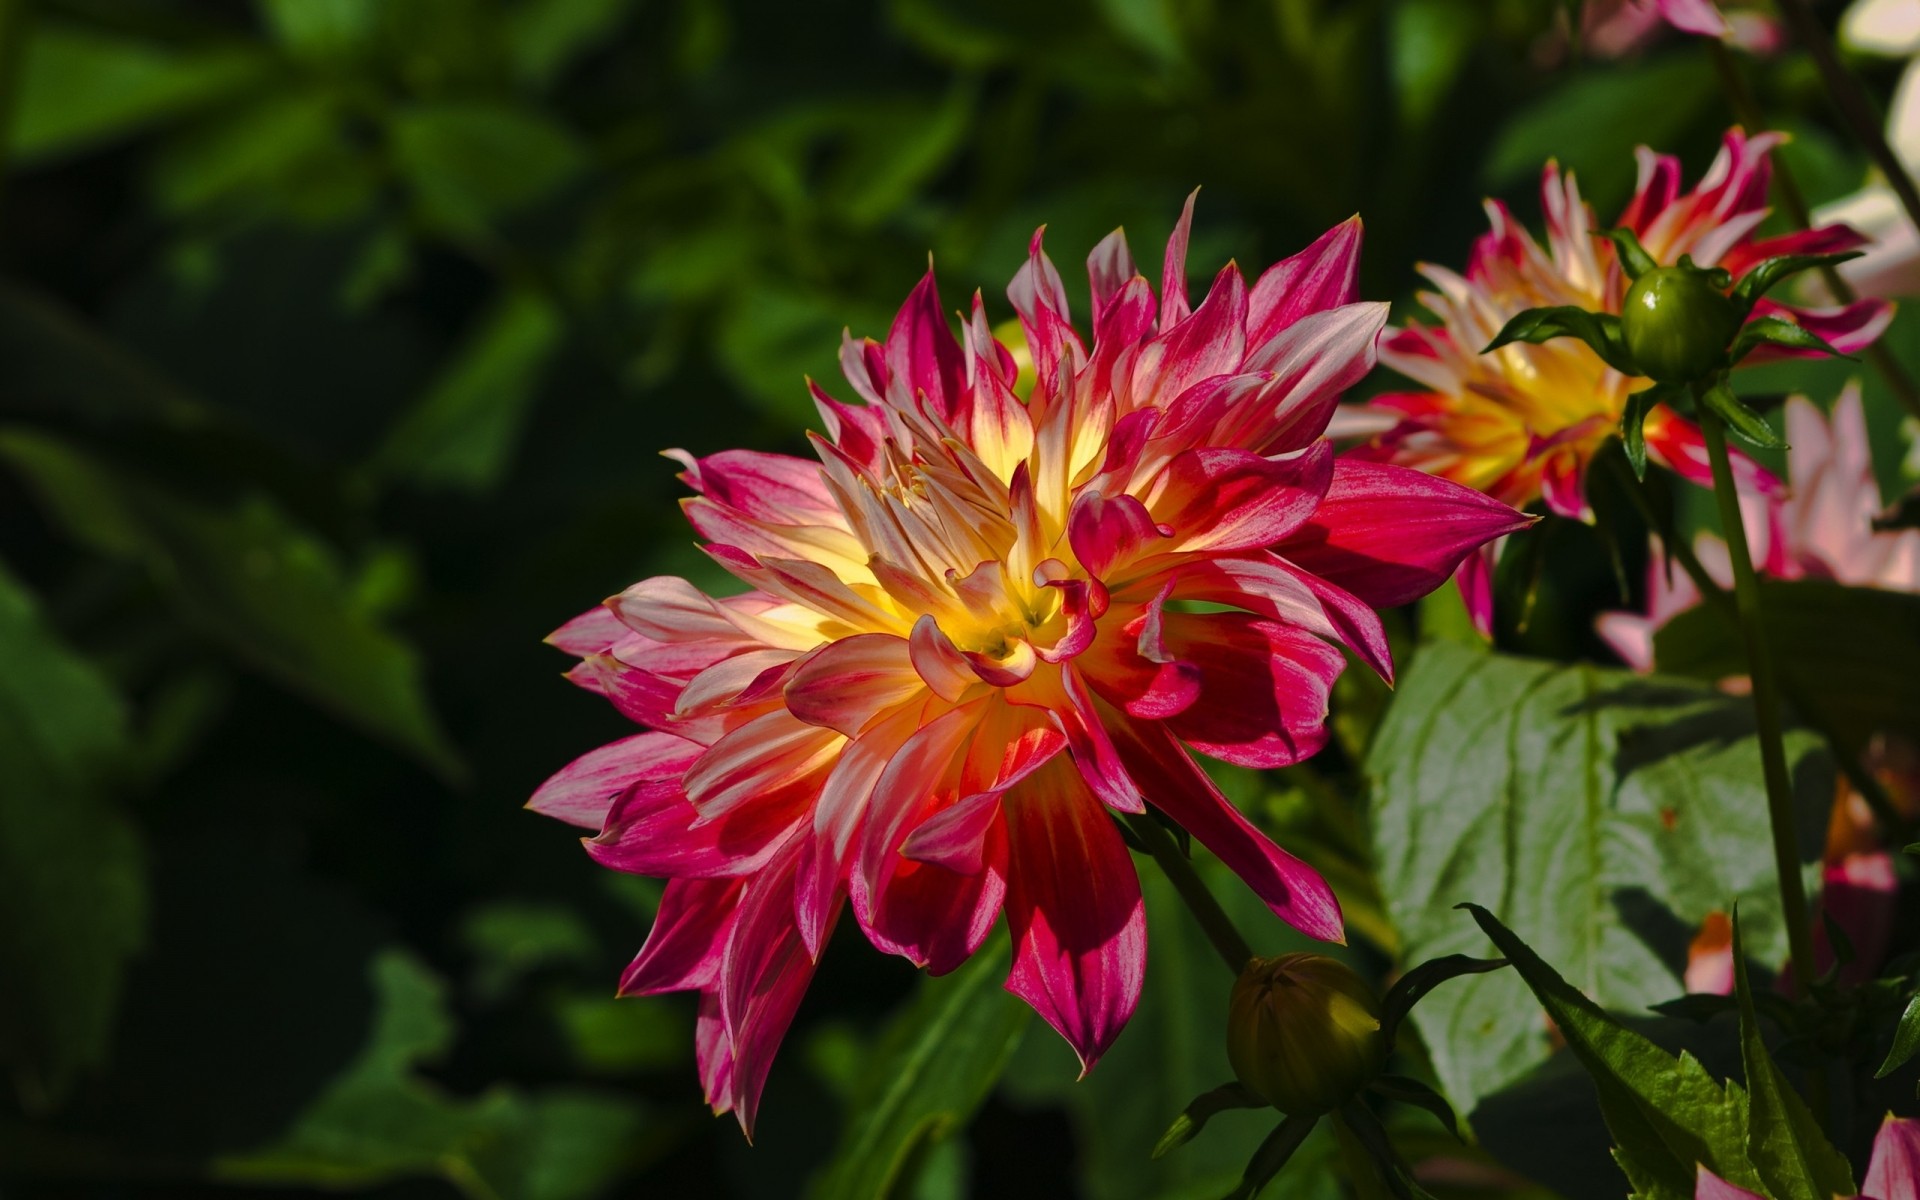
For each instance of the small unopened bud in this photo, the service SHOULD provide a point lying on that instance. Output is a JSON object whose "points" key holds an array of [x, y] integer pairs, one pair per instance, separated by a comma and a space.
{"points": [[1303, 1031], [1677, 323]]}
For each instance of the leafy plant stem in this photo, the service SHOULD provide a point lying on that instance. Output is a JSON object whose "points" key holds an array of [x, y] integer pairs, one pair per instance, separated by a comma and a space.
{"points": [[1747, 111], [1214, 921], [1766, 705], [1854, 107], [1897, 828]]}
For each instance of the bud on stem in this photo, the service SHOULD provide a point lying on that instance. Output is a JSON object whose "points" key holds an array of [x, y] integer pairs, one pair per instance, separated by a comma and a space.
{"points": [[1304, 1032]]}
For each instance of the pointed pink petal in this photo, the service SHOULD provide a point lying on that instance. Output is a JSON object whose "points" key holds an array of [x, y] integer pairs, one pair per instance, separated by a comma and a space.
{"points": [[1849, 329], [955, 838], [1074, 908], [1173, 274], [1708, 1186], [1313, 361], [1109, 269], [1223, 500], [1693, 16], [1474, 578], [938, 662], [713, 1050], [765, 972], [1390, 535], [1318, 278], [688, 939], [923, 354], [768, 487], [1105, 532], [846, 684], [589, 633], [1677, 444], [770, 758], [581, 792], [1264, 687], [935, 917], [1894, 1171], [1295, 891]]}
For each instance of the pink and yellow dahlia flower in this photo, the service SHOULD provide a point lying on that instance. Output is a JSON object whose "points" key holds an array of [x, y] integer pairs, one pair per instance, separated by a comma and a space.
{"points": [[1523, 423], [976, 627], [1611, 28]]}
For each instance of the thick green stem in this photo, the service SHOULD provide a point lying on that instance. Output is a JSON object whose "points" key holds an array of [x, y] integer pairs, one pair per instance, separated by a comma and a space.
{"points": [[1746, 110], [1213, 919], [1766, 705], [1852, 102]]}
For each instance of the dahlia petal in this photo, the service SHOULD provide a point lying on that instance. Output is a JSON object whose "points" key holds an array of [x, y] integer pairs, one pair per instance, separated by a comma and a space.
{"points": [[1318, 278], [922, 353], [732, 681], [590, 632], [1563, 485], [936, 918], [1474, 579], [1693, 16], [1894, 1171], [1073, 904], [1092, 748], [767, 487], [955, 837], [1273, 587], [688, 939], [1849, 328], [1173, 272], [581, 792], [1109, 269], [837, 817], [913, 776], [1313, 360], [1108, 532], [1390, 535], [640, 696], [938, 662], [767, 757], [1264, 688], [763, 975], [652, 829], [1210, 341], [846, 684], [1860, 892], [1218, 500], [713, 1051], [1677, 444], [1295, 892]]}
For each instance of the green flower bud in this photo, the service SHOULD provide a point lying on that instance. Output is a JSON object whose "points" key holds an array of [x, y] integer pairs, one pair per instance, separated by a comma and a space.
{"points": [[1677, 323], [1303, 1032]]}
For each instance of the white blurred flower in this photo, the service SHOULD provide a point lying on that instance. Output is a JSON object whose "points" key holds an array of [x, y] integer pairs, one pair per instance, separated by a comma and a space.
{"points": [[1892, 265]]}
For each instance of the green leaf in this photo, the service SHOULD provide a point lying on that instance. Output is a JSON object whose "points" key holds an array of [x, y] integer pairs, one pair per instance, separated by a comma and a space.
{"points": [[1748, 424], [1194, 1117], [1784, 1141], [1600, 331], [380, 1121], [1667, 1115], [1906, 1037], [72, 872], [322, 29], [473, 162], [1420, 1095], [1408, 990], [80, 87], [1272, 1155], [1763, 275], [1633, 422], [1600, 810], [1865, 683], [462, 433], [249, 579], [934, 1065]]}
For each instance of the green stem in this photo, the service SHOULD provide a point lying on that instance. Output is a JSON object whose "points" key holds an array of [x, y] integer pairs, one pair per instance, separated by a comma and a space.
{"points": [[1746, 110], [1855, 109], [1766, 705], [1218, 926]]}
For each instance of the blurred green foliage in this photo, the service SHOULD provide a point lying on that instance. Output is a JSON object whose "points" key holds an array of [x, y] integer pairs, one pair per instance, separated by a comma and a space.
{"points": [[338, 340]]}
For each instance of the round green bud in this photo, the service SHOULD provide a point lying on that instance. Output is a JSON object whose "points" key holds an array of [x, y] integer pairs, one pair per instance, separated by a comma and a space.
{"points": [[1303, 1032], [1677, 323]]}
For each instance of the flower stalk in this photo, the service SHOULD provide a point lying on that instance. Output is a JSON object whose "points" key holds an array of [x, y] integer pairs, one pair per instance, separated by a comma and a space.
{"points": [[1200, 901], [1766, 704]]}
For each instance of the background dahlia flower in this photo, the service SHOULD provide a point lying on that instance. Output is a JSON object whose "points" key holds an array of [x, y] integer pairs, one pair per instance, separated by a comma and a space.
{"points": [[1523, 423], [1893, 1173], [969, 637], [1611, 28], [1891, 266]]}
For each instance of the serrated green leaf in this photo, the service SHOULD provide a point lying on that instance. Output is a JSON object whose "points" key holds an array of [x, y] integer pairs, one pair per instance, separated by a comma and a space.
{"points": [[935, 1064], [72, 871], [249, 579], [1572, 797], [1784, 1141], [1667, 1115]]}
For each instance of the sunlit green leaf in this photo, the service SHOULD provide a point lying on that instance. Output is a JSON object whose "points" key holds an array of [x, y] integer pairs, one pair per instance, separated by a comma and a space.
{"points": [[1605, 813]]}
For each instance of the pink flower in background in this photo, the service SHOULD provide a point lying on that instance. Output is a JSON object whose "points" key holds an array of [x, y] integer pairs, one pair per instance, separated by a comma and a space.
{"points": [[1523, 423], [1612, 28], [1891, 266], [1893, 1173], [970, 636], [1821, 529]]}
